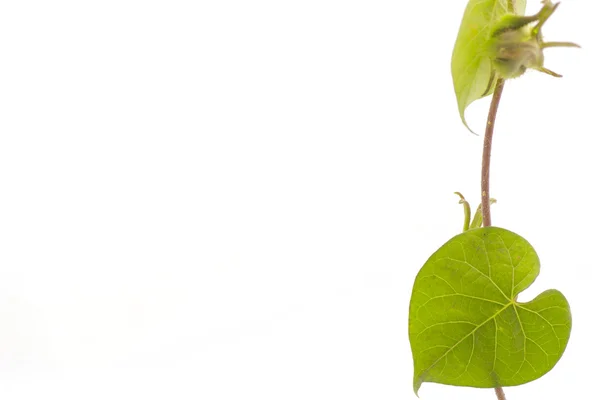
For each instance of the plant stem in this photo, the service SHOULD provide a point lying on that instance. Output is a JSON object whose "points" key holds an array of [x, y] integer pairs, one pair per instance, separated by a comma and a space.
{"points": [[487, 154], [485, 166], [500, 393], [485, 172]]}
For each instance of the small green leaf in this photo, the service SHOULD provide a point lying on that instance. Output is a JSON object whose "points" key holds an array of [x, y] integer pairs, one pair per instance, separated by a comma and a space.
{"points": [[472, 70], [467, 210], [466, 327]]}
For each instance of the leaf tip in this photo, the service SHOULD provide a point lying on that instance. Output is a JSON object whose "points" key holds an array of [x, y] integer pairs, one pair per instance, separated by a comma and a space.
{"points": [[464, 121], [417, 386]]}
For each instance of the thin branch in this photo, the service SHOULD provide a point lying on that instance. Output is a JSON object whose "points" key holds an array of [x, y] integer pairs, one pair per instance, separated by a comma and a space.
{"points": [[485, 172], [485, 166], [500, 393], [487, 154]]}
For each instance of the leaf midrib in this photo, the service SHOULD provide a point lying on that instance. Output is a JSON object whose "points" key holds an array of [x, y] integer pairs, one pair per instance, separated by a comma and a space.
{"points": [[469, 334], [512, 303]]}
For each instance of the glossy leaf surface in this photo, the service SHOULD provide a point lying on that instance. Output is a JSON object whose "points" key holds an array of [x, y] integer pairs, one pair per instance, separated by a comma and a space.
{"points": [[466, 327], [472, 70]]}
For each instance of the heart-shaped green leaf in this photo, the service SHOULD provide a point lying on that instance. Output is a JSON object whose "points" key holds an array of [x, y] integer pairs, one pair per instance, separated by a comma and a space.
{"points": [[466, 327], [472, 70]]}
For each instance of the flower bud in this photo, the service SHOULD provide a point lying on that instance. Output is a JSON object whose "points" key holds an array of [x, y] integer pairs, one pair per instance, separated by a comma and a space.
{"points": [[515, 45]]}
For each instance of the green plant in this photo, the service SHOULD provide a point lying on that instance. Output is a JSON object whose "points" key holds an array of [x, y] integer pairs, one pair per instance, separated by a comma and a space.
{"points": [[466, 327]]}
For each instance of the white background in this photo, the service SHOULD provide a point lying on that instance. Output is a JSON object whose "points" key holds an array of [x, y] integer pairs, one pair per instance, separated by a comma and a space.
{"points": [[231, 199]]}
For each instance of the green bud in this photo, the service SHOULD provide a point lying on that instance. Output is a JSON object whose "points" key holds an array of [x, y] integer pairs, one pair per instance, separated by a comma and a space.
{"points": [[516, 43]]}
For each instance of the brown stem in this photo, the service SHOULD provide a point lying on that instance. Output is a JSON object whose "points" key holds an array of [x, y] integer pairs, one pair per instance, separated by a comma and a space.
{"points": [[485, 165], [500, 393], [485, 172], [487, 154]]}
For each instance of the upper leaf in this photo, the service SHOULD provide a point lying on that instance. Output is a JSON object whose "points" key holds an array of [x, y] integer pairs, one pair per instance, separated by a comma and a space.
{"points": [[466, 327], [472, 70]]}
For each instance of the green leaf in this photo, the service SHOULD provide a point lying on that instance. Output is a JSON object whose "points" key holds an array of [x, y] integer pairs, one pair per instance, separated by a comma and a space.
{"points": [[467, 210], [466, 327], [472, 70]]}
